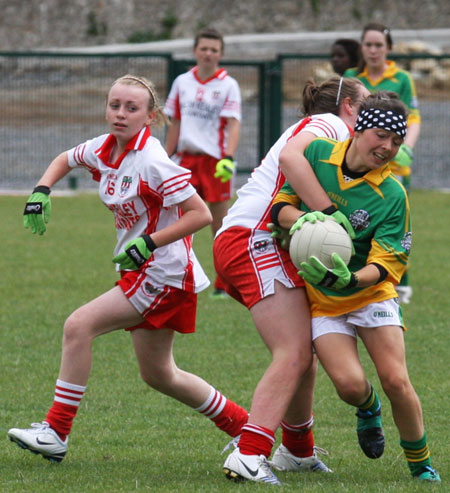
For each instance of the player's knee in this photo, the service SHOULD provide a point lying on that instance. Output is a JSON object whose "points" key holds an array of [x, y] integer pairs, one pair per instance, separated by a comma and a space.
{"points": [[351, 390], [73, 329], [308, 376], [77, 329], [295, 362], [158, 378], [395, 384]]}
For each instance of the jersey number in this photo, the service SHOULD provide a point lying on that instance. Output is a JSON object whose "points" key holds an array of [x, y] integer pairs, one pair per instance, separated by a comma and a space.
{"points": [[110, 187]]}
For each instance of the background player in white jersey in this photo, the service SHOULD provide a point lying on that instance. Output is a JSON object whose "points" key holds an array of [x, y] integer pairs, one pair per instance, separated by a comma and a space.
{"points": [[156, 211], [204, 105], [360, 300], [259, 274]]}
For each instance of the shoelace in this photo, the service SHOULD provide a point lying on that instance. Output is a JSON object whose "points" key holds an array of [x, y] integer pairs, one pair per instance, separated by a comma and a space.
{"points": [[427, 469], [233, 443], [44, 425], [319, 450], [269, 475]]}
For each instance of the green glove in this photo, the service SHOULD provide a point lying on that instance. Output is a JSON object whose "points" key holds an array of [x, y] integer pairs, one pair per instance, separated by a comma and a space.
{"points": [[281, 234], [404, 156], [136, 253], [37, 210], [342, 219], [338, 278], [310, 217], [224, 169]]}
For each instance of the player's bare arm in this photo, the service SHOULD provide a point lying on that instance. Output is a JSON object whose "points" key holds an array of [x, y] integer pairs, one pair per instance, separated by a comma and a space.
{"points": [[234, 133], [299, 174], [173, 135], [196, 216], [56, 171], [288, 215]]}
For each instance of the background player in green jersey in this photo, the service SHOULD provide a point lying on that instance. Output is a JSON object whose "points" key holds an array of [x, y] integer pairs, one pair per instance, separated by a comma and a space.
{"points": [[360, 300], [344, 54], [377, 73]]}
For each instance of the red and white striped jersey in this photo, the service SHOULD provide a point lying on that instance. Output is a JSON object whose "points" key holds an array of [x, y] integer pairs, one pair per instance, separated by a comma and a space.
{"points": [[252, 207], [142, 189], [202, 108]]}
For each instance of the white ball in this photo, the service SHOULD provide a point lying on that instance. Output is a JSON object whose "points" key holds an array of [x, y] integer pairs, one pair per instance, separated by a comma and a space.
{"points": [[320, 239]]}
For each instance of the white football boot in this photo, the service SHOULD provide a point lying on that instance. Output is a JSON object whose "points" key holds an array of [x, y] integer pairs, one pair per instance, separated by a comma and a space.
{"points": [[239, 467], [283, 460], [40, 439]]}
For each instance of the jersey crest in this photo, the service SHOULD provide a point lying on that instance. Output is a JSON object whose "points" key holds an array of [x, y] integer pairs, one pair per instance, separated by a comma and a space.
{"points": [[125, 185], [359, 219], [406, 241]]}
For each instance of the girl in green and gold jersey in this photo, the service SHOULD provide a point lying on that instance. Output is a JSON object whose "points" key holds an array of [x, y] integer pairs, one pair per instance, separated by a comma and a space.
{"points": [[359, 300]]}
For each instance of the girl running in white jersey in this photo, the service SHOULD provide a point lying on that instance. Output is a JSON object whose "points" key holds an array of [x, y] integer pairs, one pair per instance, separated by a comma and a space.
{"points": [[156, 211]]}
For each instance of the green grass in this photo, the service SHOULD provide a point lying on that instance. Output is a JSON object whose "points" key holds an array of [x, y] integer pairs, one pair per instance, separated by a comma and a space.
{"points": [[129, 438]]}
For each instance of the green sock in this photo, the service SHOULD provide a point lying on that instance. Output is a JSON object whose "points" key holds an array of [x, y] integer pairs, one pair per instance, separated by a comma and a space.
{"points": [[417, 454], [368, 416], [372, 404]]}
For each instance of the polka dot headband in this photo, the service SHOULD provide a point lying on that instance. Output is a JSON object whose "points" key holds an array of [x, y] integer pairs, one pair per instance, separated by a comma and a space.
{"points": [[386, 119]]}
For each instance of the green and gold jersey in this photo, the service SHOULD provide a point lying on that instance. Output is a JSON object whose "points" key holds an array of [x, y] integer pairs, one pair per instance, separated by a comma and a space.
{"points": [[378, 209], [393, 79], [399, 81]]}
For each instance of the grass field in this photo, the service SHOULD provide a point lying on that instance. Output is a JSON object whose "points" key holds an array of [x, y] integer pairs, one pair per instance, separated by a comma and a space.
{"points": [[129, 438]]}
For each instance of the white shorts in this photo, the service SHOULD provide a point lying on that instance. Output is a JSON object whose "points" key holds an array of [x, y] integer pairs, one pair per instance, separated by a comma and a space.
{"points": [[378, 314]]}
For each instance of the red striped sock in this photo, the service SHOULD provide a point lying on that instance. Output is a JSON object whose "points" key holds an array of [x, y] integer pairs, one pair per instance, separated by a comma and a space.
{"points": [[299, 439], [256, 440], [65, 406], [226, 414]]}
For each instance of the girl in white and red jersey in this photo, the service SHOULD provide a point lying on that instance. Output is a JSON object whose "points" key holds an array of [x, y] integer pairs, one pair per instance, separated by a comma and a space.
{"points": [[259, 274], [204, 105], [156, 211]]}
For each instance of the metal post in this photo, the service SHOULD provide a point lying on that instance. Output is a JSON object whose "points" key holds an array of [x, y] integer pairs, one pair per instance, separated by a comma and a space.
{"points": [[275, 102]]}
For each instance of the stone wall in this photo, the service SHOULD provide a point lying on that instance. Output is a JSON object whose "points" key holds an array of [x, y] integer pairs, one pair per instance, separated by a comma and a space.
{"points": [[41, 24]]}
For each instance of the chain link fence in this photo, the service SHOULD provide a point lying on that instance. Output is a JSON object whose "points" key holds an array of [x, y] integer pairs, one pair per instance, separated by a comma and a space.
{"points": [[52, 102]]}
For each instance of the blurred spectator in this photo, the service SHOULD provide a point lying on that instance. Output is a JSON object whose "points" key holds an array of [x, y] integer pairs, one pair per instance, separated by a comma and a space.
{"points": [[345, 53]]}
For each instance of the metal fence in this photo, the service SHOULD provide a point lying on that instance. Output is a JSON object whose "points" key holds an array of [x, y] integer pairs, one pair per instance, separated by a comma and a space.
{"points": [[52, 102], [431, 74]]}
